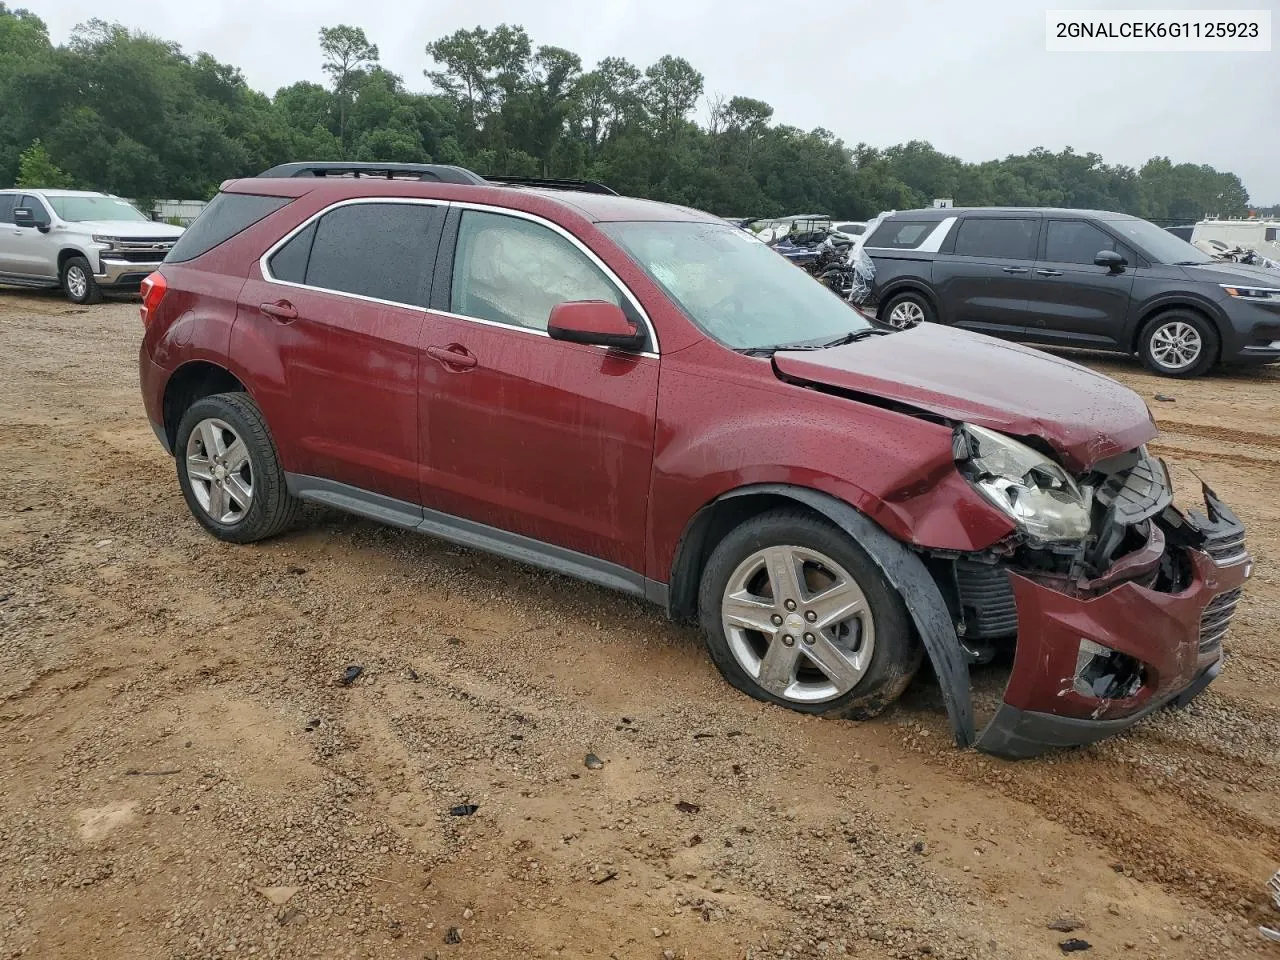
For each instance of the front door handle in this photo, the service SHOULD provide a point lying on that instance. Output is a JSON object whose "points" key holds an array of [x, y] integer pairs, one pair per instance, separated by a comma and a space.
{"points": [[1049, 273], [1014, 269], [281, 310], [454, 357]]}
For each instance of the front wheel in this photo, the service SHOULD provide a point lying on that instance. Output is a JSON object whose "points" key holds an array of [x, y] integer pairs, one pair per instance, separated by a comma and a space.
{"points": [[798, 614], [78, 283], [1178, 343]]}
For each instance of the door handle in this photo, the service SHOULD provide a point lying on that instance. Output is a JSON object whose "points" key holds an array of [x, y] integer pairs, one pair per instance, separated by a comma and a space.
{"points": [[281, 310], [454, 357], [1014, 269], [1049, 273]]}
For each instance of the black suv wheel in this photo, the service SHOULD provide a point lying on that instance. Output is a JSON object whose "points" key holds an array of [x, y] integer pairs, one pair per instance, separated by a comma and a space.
{"points": [[906, 310], [1178, 343]]}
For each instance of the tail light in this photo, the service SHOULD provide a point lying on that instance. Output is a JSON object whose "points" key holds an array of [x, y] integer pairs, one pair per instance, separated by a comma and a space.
{"points": [[153, 290]]}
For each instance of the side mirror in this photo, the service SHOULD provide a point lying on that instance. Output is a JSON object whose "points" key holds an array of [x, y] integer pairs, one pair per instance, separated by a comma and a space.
{"points": [[26, 217], [597, 322], [1111, 260]]}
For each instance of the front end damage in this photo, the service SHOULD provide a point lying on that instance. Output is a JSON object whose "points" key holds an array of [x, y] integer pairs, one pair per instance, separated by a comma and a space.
{"points": [[1107, 620]]}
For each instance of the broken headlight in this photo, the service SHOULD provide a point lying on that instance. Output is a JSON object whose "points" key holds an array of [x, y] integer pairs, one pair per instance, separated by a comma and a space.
{"points": [[1037, 494]]}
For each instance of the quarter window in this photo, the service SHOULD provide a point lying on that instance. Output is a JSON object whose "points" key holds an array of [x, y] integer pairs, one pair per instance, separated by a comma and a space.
{"points": [[901, 234], [513, 271], [1075, 241], [999, 239]]}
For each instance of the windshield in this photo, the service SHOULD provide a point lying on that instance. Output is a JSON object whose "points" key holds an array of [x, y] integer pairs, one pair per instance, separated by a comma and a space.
{"points": [[734, 287], [76, 209], [1157, 243]]}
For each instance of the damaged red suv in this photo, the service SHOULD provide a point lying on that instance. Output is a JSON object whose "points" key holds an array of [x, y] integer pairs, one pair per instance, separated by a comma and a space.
{"points": [[646, 397]]}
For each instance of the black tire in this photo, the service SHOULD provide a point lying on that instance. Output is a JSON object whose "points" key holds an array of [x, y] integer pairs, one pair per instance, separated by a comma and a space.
{"points": [[907, 299], [272, 508], [897, 652], [1210, 343], [78, 283]]}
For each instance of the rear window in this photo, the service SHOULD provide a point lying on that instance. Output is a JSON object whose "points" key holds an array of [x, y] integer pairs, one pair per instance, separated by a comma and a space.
{"points": [[225, 216], [1270, 234], [1005, 238], [902, 234]]}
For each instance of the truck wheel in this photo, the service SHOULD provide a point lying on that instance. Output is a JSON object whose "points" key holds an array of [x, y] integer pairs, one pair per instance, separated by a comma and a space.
{"points": [[78, 283], [796, 613], [229, 470], [906, 310], [1178, 343]]}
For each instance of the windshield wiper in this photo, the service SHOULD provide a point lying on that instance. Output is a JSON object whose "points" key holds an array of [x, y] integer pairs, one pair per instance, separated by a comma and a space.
{"points": [[853, 336], [1190, 263], [807, 345]]}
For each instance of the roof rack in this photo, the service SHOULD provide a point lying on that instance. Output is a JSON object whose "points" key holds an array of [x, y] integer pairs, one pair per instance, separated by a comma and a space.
{"points": [[438, 172], [586, 186]]}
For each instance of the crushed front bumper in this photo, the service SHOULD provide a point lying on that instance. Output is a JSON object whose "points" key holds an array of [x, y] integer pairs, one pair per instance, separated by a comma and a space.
{"points": [[1171, 642]]}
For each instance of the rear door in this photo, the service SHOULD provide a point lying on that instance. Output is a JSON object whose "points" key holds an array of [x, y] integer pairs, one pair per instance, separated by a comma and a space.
{"points": [[333, 324], [983, 274], [549, 440], [9, 234], [1075, 301]]}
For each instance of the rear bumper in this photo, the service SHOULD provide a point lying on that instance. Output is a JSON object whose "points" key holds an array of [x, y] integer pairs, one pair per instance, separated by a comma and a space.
{"points": [[123, 273], [1088, 666]]}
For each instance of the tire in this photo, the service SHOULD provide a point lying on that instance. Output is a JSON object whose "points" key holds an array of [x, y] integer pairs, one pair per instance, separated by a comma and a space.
{"points": [[240, 501], [876, 650], [78, 283], [1166, 340], [906, 310]]}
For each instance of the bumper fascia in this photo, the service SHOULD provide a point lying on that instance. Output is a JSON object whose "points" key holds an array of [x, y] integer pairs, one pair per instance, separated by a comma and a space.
{"points": [[1042, 707], [122, 273]]}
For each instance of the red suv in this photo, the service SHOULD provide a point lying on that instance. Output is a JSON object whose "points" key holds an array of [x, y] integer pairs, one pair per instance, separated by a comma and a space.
{"points": [[648, 398]]}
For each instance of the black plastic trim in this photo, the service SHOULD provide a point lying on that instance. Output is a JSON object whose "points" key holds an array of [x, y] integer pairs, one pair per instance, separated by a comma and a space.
{"points": [[437, 172], [469, 533]]}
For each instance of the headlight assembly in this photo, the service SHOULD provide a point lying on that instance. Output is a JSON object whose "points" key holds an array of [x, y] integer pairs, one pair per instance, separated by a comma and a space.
{"points": [[1036, 493], [1240, 292], [108, 242]]}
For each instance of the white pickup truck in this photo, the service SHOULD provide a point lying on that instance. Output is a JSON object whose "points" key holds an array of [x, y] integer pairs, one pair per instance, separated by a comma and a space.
{"points": [[84, 242]]}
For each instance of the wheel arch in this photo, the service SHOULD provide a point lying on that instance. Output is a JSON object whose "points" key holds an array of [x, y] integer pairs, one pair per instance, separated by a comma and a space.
{"points": [[907, 285], [1200, 308], [192, 381], [66, 253], [903, 568]]}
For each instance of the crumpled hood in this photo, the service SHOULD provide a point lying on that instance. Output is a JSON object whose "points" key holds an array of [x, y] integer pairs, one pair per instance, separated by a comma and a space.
{"points": [[966, 376]]}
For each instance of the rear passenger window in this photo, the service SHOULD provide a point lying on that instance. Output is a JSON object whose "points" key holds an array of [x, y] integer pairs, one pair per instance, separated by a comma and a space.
{"points": [[1001, 239], [513, 271], [379, 250], [6, 207], [1074, 241], [901, 234]]}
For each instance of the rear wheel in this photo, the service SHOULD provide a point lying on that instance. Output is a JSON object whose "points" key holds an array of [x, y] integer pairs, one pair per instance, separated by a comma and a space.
{"points": [[1178, 343], [796, 613], [78, 283], [906, 310], [229, 470]]}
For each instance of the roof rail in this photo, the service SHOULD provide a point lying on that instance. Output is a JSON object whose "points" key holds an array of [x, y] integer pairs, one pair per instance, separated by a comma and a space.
{"points": [[586, 186], [438, 172]]}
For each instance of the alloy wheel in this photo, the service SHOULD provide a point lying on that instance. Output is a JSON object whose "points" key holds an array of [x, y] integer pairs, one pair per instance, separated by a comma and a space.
{"points": [[798, 623], [1176, 345], [905, 314], [77, 282], [220, 471]]}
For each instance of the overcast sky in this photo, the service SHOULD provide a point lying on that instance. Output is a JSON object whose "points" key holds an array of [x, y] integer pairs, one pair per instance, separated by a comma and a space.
{"points": [[974, 79]]}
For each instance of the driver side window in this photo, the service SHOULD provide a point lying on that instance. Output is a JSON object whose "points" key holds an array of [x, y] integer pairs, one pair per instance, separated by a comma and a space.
{"points": [[513, 271]]}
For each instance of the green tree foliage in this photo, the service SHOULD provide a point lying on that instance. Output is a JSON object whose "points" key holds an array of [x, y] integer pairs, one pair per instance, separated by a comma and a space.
{"points": [[36, 169], [123, 111]]}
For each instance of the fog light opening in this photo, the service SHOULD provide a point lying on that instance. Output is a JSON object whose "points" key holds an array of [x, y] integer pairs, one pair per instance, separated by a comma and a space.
{"points": [[1105, 673]]}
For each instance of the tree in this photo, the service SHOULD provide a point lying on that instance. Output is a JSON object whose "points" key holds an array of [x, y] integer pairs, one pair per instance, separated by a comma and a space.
{"points": [[36, 169], [346, 52], [671, 90]]}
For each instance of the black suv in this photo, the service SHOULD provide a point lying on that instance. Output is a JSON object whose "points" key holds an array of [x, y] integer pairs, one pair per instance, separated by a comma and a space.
{"points": [[1079, 278]]}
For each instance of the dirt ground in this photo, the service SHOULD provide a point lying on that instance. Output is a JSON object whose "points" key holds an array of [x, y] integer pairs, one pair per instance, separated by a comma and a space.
{"points": [[174, 740]]}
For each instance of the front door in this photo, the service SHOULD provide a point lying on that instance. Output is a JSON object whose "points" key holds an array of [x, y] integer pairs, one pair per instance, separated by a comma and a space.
{"points": [[30, 251], [984, 279], [333, 329], [1074, 300], [538, 437]]}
